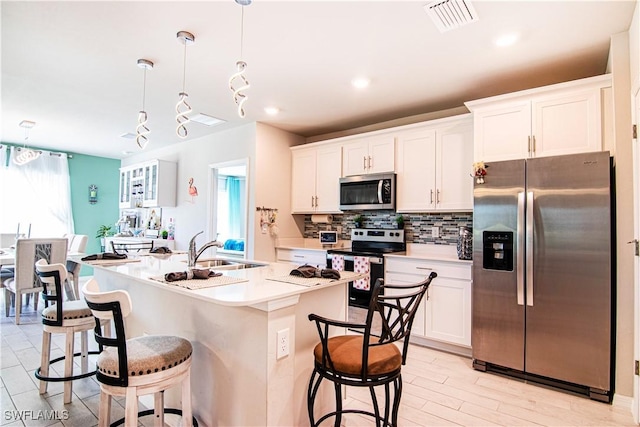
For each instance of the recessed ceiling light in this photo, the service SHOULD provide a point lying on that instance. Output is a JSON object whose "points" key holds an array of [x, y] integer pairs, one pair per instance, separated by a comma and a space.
{"points": [[360, 82], [506, 40], [272, 111], [126, 153]]}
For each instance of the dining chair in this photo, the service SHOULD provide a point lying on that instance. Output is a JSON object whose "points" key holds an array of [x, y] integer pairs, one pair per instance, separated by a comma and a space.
{"points": [[25, 280], [365, 360], [126, 247], [77, 244]]}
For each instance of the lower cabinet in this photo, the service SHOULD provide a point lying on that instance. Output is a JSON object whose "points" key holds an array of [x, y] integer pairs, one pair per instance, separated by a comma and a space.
{"points": [[297, 257], [445, 312]]}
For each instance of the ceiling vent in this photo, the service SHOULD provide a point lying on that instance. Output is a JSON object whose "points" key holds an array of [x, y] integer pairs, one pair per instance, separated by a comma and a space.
{"points": [[451, 14], [206, 120]]}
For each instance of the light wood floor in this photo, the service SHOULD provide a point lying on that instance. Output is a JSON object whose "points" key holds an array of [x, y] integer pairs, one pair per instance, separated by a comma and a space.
{"points": [[440, 389]]}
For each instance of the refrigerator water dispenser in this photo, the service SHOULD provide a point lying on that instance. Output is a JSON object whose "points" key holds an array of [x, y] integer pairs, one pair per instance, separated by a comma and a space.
{"points": [[497, 250]]}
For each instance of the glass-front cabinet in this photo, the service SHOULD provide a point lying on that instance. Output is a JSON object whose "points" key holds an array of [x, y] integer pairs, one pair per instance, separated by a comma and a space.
{"points": [[149, 184]]}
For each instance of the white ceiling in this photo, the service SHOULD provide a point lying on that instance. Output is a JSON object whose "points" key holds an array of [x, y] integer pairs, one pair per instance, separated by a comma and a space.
{"points": [[71, 66]]}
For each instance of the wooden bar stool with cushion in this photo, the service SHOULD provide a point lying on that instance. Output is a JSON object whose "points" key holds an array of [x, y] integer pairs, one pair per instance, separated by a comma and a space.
{"points": [[62, 317], [363, 360], [137, 366]]}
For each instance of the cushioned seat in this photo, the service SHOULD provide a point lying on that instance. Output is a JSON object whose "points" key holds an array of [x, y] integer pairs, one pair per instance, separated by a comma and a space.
{"points": [[70, 310], [146, 355], [364, 360], [346, 355]]}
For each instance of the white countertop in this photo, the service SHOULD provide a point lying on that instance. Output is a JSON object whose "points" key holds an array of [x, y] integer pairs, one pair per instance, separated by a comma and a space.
{"points": [[432, 252], [257, 289]]}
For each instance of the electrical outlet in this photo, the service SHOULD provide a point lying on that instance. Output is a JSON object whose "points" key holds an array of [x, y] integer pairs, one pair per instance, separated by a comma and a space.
{"points": [[435, 232], [282, 349]]}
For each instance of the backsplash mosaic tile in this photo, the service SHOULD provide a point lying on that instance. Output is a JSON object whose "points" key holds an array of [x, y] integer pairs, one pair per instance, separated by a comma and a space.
{"points": [[418, 226]]}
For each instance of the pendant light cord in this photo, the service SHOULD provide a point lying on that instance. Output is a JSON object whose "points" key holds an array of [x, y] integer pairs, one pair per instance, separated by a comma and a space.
{"points": [[241, 31], [144, 87], [184, 67]]}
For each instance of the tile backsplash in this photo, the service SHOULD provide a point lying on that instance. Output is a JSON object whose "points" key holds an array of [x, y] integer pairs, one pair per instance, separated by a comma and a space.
{"points": [[418, 226]]}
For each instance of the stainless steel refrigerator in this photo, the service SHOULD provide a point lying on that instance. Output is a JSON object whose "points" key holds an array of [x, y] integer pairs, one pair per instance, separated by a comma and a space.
{"points": [[542, 271]]}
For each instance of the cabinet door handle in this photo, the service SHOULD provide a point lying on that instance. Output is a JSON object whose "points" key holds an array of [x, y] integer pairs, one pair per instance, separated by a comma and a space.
{"points": [[316, 201], [428, 293], [529, 144], [298, 256], [370, 163], [431, 197], [312, 201], [364, 163], [438, 196], [424, 268], [533, 144]]}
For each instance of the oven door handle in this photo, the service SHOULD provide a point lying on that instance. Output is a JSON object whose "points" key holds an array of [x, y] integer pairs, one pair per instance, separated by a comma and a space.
{"points": [[372, 260], [380, 191]]}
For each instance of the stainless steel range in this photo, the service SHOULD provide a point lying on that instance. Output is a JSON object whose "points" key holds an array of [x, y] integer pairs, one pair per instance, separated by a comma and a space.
{"points": [[371, 244]]}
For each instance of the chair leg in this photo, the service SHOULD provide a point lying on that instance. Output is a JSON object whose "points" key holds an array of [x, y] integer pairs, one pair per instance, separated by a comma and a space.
{"points": [[7, 301], [104, 413], [84, 355], [397, 394], [311, 396], [187, 413], [18, 299], [131, 407], [338, 389], [44, 360], [158, 409], [68, 365], [36, 298]]}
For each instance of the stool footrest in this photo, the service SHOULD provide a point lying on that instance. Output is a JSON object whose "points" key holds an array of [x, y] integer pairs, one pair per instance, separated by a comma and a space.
{"points": [[354, 411], [39, 376], [151, 412]]}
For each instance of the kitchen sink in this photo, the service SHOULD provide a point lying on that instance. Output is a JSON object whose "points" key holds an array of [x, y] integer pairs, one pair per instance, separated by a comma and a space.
{"points": [[225, 264]]}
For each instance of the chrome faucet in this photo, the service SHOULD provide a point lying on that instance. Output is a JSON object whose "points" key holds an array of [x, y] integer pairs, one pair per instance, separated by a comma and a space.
{"points": [[193, 255]]}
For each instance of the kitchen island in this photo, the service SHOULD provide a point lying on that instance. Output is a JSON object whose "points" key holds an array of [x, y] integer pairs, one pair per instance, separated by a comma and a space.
{"points": [[236, 377]]}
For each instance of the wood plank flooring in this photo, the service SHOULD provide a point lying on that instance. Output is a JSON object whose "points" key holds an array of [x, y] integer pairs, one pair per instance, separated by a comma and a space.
{"points": [[440, 389]]}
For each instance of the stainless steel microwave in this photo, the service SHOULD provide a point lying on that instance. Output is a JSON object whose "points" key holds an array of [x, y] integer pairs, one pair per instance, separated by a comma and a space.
{"points": [[367, 192]]}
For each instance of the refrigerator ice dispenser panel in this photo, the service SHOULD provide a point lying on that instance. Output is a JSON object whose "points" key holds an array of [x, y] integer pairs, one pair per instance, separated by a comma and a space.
{"points": [[497, 250]]}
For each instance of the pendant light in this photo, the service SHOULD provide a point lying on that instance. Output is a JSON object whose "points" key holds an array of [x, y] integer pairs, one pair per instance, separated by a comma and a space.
{"points": [[26, 155], [142, 130], [238, 82], [182, 107]]}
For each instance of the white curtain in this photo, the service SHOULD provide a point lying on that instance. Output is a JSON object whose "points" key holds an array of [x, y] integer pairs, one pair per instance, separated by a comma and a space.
{"points": [[38, 193]]}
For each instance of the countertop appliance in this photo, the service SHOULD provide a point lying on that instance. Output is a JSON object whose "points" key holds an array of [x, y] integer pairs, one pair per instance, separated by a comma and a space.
{"points": [[367, 192], [371, 243], [542, 272]]}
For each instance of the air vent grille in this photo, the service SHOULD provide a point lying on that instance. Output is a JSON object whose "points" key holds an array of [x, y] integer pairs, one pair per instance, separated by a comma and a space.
{"points": [[451, 14]]}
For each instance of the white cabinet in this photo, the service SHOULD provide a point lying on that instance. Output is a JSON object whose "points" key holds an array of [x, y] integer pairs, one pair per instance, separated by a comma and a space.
{"points": [[445, 314], [433, 167], [548, 121], [315, 172], [371, 155], [149, 184], [297, 257]]}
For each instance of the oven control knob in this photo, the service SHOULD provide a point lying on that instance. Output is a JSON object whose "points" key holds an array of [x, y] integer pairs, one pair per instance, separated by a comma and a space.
{"points": [[397, 234]]}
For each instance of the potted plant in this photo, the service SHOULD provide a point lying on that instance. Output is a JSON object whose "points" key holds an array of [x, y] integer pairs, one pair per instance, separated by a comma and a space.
{"points": [[103, 231], [165, 234], [400, 222], [358, 220]]}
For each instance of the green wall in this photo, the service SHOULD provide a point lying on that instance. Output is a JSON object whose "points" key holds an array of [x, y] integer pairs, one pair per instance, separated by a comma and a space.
{"points": [[104, 173]]}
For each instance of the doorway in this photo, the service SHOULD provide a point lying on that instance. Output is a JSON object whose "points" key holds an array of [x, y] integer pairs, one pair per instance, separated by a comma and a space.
{"points": [[228, 207]]}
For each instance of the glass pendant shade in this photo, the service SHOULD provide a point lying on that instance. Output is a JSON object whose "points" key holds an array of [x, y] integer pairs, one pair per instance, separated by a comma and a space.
{"points": [[182, 107], [141, 129], [239, 78]]}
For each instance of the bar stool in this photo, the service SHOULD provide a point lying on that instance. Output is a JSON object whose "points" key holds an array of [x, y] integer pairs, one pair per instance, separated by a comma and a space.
{"points": [[137, 366], [363, 360], [63, 317]]}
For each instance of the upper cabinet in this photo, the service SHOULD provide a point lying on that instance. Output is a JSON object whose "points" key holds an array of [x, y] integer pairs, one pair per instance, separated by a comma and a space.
{"points": [[149, 184], [314, 179], [370, 155], [433, 167], [554, 120]]}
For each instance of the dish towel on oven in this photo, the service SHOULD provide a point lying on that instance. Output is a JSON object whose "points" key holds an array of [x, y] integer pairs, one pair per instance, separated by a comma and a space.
{"points": [[337, 262], [361, 265]]}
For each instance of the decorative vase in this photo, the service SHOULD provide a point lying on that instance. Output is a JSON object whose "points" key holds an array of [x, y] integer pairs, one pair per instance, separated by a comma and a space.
{"points": [[465, 243]]}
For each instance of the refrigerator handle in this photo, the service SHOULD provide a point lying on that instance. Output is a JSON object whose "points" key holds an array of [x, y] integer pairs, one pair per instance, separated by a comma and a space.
{"points": [[520, 249], [529, 248]]}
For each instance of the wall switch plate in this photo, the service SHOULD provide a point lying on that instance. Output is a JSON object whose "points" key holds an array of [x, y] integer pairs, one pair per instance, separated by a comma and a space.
{"points": [[435, 232], [282, 347]]}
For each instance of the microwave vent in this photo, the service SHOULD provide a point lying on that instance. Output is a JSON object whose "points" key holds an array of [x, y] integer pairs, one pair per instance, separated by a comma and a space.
{"points": [[451, 14]]}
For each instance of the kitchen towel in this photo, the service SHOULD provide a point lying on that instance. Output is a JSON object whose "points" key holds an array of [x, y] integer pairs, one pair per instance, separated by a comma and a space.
{"points": [[106, 255], [308, 271], [337, 262], [361, 265], [190, 274]]}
